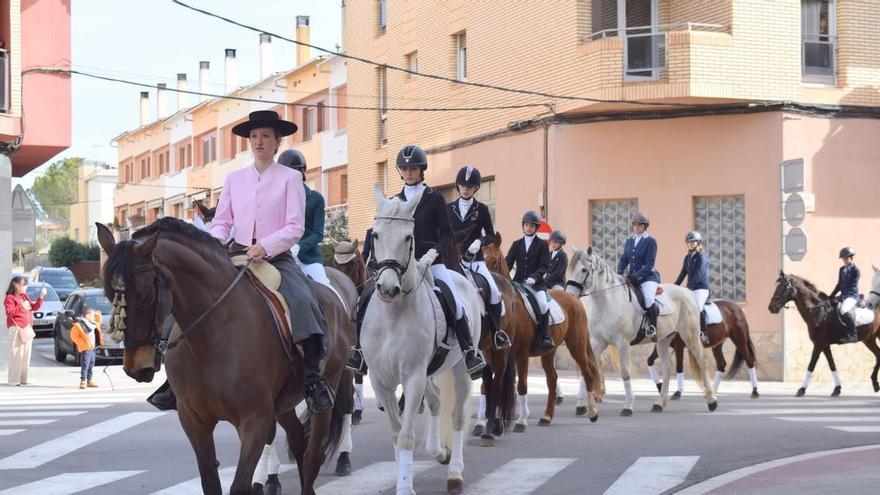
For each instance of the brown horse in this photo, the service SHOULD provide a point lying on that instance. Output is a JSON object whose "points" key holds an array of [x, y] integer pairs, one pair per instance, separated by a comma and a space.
{"points": [[574, 331], [823, 325], [733, 326], [230, 365]]}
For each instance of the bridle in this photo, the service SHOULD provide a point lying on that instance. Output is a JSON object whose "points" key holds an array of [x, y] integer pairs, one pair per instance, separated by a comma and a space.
{"points": [[396, 266], [791, 294], [583, 293]]}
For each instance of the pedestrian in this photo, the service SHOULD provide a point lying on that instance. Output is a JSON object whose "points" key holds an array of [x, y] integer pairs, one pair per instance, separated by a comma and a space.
{"points": [[86, 336], [19, 320]]}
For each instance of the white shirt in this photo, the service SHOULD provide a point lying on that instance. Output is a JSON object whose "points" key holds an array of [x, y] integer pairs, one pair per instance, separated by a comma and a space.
{"points": [[553, 254], [528, 241], [412, 191], [464, 205], [90, 331], [639, 238]]}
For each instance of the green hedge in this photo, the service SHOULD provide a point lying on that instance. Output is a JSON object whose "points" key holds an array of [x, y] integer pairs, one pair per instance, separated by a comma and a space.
{"points": [[64, 251]]}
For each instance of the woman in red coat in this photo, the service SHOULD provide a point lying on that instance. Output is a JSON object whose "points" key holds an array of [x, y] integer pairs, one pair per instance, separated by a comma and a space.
{"points": [[19, 320]]}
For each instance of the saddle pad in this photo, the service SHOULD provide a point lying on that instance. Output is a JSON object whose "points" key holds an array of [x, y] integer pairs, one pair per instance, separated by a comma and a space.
{"points": [[482, 286], [864, 316], [557, 316], [663, 302], [713, 313], [267, 274], [267, 279]]}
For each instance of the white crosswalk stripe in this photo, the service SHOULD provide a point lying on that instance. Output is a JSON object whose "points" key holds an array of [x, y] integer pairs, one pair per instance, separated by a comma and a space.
{"points": [[835, 414], [519, 477], [6, 433], [653, 475], [857, 429], [36, 414], [375, 478], [26, 422], [194, 486], [70, 483], [27, 407]]}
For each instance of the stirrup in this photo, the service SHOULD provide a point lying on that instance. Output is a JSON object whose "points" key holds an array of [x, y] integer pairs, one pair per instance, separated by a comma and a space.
{"points": [[651, 333], [357, 364], [475, 370], [704, 336], [500, 340], [310, 390]]}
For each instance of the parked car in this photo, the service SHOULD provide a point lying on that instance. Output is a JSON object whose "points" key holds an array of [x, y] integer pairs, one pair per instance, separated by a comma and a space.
{"points": [[44, 318], [61, 279], [73, 308]]}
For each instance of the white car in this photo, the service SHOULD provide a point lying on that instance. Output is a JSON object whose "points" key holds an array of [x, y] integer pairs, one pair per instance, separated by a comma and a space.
{"points": [[44, 318]]}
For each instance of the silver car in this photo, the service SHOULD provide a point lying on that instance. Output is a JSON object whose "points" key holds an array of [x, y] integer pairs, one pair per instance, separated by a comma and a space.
{"points": [[44, 318]]}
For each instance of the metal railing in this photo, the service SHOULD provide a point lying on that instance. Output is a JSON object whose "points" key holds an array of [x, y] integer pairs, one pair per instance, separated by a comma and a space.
{"points": [[661, 28], [819, 56]]}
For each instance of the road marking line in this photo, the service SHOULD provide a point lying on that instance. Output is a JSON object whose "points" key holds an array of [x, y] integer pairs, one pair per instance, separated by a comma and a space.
{"points": [[375, 478], [26, 422], [6, 433], [653, 475], [194, 486], [36, 414], [711, 484], [50, 408], [70, 483], [53, 449], [519, 476], [824, 403], [832, 419], [857, 429], [840, 410]]}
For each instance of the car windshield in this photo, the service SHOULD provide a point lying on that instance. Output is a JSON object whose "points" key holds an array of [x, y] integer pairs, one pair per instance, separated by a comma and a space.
{"points": [[59, 280], [33, 292], [100, 303]]}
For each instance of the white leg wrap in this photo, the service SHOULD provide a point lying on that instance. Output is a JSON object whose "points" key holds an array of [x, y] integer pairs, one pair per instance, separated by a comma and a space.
{"points": [[432, 440], [481, 409], [753, 376], [582, 390], [404, 472], [717, 381], [359, 396], [836, 377], [456, 463], [274, 463], [559, 391], [345, 445], [628, 395], [679, 380], [807, 378], [262, 474], [522, 406], [652, 370]]}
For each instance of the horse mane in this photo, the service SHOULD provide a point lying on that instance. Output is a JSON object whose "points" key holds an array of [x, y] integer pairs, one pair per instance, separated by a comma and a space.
{"points": [[809, 286]]}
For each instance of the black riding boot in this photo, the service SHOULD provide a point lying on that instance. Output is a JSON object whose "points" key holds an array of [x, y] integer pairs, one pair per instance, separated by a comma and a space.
{"points": [[315, 390], [852, 333], [543, 342], [651, 331], [356, 363], [500, 339], [704, 335], [163, 398], [473, 358]]}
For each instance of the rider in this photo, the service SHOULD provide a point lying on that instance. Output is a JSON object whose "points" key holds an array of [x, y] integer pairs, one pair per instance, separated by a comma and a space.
{"points": [[431, 231], [467, 212], [309, 256], [555, 276], [369, 259], [532, 258], [639, 254], [848, 286], [696, 269]]}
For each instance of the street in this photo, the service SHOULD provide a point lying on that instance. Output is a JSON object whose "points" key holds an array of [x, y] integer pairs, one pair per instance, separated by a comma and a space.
{"points": [[61, 440]]}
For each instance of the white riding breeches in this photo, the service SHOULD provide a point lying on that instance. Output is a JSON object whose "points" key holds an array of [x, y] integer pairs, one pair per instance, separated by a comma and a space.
{"points": [[316, 272], [847, 305], [440, 272], [700, 297], [481, 268], [541, 296], [649, 292]]}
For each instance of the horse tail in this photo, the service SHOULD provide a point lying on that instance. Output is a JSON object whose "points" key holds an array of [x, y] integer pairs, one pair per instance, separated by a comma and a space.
{"points": [[695, 366], [597, 377], [739, 359], [614, 356], [343, 405], [507, 397], [446, 383]]}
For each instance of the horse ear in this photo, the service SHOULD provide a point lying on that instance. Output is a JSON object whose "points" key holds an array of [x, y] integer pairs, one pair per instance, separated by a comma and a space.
{"points": [[876, 270], [498, 239], [105, 238], [590, 250], [379, 195], [145, 250], [355, 244], [781, 274]]}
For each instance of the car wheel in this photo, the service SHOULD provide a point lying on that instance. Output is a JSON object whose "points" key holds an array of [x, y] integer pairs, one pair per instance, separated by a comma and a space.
{"points": [[60, 355]]}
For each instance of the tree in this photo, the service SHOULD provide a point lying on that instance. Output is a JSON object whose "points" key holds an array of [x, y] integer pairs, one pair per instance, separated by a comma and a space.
{"points": [[57, 189], [65, 252]]}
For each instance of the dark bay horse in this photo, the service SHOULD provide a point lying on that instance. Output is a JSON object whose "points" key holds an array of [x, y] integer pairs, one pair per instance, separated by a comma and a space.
{"points": [[574, 331], [733, 326], [230, 365], [823, 325]]}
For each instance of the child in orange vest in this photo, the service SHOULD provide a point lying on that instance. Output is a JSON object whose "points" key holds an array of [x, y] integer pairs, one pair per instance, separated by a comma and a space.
{"points": [[86, 335]]}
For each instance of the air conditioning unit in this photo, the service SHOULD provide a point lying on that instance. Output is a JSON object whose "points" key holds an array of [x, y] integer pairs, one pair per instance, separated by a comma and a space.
{"points": [[4, 81]]}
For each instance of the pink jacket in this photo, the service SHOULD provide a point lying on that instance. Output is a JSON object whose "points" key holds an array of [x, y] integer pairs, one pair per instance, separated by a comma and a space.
{"points": [[269, 208]]}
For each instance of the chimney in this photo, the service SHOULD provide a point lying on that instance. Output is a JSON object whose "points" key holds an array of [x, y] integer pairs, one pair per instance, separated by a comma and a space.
{"points": [[145, 107], [204, 78], [181, 96], [161, 100], [302, 35], [265, 55], [231, 71]]}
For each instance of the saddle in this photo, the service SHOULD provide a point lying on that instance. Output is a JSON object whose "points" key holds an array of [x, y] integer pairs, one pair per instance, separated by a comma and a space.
{"points": [[635, 288], [481, 284], [662, 301], [713, 313], [446, 301], [530, 300], [863, 316], [267, 280]]}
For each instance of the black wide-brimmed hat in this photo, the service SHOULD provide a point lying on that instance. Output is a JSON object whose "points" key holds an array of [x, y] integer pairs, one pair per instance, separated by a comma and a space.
{"points": [[264, 118]]}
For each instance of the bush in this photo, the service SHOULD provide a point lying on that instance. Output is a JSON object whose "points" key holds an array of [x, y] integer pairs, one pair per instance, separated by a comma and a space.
{"points": [[91, 252], [65, 252]]}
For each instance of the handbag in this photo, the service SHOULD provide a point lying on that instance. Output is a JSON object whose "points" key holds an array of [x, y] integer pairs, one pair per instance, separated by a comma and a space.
{"points": [[26, 334]]}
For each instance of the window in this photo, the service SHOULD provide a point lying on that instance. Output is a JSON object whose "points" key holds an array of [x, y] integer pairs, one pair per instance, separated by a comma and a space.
{"points": [[209, 149], [162, 169], [722, 221], [412, 62], [604, 18], [189, 159], [818, 31], [320, 111], [383, 104], [382, 174], [610, 226], [461, 43], [181, 158], [383, 15], [308, 123]]}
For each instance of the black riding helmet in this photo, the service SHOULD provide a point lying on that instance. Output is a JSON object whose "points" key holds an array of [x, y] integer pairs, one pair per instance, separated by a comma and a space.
{"points": [[558, 236], [294, 159], [468, 176], [531, 217], [847, 252], [412, 155]]}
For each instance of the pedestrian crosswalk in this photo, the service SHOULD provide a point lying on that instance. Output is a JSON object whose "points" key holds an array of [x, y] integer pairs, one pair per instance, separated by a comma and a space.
{"points": [[834, 414]]}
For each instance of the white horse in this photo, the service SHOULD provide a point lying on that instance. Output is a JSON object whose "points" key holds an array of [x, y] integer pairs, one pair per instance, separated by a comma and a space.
{"points": [[615, 319], [874, 296], [399, 337]]}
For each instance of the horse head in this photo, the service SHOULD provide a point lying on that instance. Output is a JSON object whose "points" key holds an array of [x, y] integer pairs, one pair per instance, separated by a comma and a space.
{"points": [[495, 261], [874, 295], [393, 243], [583, 272], [785, 292], [141, 300]]}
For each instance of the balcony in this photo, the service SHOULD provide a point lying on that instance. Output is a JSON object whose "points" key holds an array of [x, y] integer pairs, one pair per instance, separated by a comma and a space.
{"points": [[819, 58]]}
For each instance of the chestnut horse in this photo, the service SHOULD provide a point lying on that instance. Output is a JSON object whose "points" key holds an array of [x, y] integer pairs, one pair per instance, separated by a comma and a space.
{"points": [[574, 331], [230, 365]]}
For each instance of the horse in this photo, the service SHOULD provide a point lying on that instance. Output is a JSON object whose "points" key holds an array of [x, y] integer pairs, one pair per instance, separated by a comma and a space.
{"points": [[574, 331], [399, 338], [733, 326], [823, 326], [615, 320], [873, 299], [229, 364]]}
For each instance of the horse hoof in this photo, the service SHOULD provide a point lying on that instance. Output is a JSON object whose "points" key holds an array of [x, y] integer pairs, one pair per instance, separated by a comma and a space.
{"points": [[676, 395], [356, 417], [580, 411], [876, 386], [498, 430], [657, 408], [659, 387], [626, 413], [444, 456], [836, 392], [544, 421], [382, 408], [519, 428], [801, 392], [755, 393], [487, 441], [272, 488], [594, 418], [343, 465], [455, 486], [257, 489], [559, 400], [713, 406], [478, 431]]}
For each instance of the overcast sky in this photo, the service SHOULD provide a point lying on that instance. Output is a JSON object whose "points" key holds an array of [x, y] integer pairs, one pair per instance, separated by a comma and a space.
{"points": [[151, 41]]}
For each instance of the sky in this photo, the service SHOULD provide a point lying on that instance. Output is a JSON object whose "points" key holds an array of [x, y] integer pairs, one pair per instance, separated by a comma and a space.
{"points": [[151, 41]]}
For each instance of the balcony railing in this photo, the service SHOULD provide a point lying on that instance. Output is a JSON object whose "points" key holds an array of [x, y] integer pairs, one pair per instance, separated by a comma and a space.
{"points": [[819, 57]]}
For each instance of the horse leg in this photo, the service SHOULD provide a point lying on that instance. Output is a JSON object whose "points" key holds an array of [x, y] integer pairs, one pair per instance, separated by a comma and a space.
{"points": [[201, 437], [583, 401], [700, 362], [432, 438], [810, 368], [461, 383], [871, 344], [628, 396], [678, 348], [579, 354], [652, 370], [548, 363], [253, 431], [834, 374], [296, 439], [666, 371], [480, 424], [522, 388], [489, 421], [319, 425], [414, 390], [720, 365], [358, 412]]}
